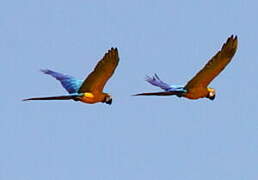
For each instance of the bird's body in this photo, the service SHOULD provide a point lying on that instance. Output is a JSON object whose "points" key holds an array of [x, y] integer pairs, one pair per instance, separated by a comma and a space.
{"points": [[196, 93], [90, 90], [197, 87], [91, 98]]}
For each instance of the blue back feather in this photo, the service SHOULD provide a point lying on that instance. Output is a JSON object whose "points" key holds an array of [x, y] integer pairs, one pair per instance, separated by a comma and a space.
{"points": [[70, 83]]}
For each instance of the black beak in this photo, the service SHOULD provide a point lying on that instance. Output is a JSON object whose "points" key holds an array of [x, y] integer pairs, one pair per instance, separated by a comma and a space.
{"points": [[212, 97], [109, 102]]}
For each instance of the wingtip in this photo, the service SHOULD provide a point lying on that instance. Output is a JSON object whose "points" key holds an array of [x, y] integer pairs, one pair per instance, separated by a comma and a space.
{"points": [[155, 76], [45, 71], [234, 40], [113, 49], [231, 43], [233, 37], [147, 77]]}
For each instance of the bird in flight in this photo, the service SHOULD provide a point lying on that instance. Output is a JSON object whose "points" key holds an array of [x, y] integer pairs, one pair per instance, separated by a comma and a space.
{"points": [[90, 90], [197, 87]]}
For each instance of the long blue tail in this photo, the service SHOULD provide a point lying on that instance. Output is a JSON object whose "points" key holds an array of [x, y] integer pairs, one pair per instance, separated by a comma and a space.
{"points": [[65, 97]]}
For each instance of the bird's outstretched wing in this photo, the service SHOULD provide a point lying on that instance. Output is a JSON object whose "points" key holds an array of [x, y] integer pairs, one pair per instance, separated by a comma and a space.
{"points": [[70, 83], [65, 97], [164, 93], [105, 68], [156, 81], [215, 65]]}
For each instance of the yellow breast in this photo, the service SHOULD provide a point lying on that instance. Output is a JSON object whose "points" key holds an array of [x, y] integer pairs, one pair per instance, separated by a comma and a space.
{"points": [[88, 95], [88, 98]]}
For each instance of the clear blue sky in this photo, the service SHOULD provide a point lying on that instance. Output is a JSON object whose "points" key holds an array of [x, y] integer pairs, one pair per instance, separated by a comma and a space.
{"points": [[137, 138]]}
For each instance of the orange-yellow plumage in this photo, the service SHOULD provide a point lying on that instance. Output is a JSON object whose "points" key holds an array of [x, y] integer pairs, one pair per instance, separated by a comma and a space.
{"points": [[197, 87]]}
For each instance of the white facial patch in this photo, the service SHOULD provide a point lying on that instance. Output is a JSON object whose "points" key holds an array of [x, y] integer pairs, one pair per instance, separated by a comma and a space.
{"points": [[212, 93], [108, 98]]}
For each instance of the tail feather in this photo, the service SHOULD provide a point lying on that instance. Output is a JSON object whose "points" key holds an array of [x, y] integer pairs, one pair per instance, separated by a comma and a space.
{"points": [[166, 93], [65, 97]]}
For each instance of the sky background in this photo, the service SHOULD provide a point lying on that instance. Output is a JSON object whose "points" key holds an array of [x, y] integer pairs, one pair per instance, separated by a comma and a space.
{"points": [[136, 138]]}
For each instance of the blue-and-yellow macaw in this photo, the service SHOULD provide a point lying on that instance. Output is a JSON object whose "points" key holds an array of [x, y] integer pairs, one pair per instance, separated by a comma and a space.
{"points": [[197, 87], [89, 90]]}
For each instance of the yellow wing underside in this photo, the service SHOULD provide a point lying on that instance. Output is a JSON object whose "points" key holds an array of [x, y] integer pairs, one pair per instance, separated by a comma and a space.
{"points": [[215, 65], [105, 68]]}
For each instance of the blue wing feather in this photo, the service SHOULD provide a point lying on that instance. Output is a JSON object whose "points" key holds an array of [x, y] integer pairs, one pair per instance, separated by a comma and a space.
{"points": [[70, 83], [156, 81]]}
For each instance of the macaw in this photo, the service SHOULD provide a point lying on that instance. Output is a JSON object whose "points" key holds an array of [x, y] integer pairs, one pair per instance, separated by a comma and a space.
{"points": [[197, 87], [90, 90]]}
